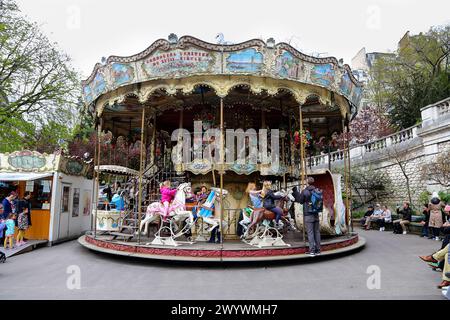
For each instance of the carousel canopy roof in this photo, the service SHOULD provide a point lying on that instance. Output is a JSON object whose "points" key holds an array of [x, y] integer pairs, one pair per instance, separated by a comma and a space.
{"points": [[261, 66], [118, 170]]}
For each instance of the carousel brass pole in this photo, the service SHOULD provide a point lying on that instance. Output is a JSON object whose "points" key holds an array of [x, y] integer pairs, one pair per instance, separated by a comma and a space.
{"points": [[302, 163], [154, 139], [290, 140], [213, 176], [349, 179], [283, 162], [222, 151], [141, 168], [99, 133], [345, 172], [94, 179]]}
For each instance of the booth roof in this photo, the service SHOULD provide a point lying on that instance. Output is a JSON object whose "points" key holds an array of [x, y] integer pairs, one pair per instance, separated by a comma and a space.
{"points": [[23, 176]]}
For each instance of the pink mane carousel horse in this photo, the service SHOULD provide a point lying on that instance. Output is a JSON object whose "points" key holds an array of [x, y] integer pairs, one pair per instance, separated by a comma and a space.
{"points": [[176, 210]]}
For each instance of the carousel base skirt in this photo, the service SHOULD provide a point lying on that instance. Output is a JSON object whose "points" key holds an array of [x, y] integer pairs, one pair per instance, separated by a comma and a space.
{"points": [[229, 251]]}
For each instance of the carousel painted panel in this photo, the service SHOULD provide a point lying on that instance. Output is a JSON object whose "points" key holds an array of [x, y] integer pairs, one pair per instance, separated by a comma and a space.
{"points": [[346, 85], [121, 74], [88, 94], [244, 61], [108, 220], [323, 75], [99, 84], [289, 67], [179, 62]]}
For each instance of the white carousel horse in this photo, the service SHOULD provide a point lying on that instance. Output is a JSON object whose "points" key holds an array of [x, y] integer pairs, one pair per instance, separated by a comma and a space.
{"points": [[176, 210], [212, 204], [209, 212]]}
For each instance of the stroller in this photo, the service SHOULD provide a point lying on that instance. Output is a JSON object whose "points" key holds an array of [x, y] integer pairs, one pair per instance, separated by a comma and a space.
{"points": [[2, 255]]}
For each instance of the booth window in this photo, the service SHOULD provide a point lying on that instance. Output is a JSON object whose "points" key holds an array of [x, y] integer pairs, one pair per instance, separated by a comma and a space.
{"points": [[41, 193]]}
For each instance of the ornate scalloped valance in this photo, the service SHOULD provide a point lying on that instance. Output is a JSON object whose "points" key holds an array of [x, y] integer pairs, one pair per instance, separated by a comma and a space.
{"points": [[164, 65]]}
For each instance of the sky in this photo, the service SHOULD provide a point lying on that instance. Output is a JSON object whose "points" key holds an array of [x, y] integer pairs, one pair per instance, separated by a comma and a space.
{"points": [[88, 30]]}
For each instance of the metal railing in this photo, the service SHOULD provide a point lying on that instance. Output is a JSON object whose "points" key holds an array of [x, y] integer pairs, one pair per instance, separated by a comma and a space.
{"points": [[394, 139]]}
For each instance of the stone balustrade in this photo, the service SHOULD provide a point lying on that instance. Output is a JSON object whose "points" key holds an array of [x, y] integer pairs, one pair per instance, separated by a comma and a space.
{"points": [[432, 115]]}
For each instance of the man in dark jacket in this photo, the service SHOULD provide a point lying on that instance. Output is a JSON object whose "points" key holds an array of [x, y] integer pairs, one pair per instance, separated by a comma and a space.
{"points": [[311, 218], [406, 213], [367, 215]]}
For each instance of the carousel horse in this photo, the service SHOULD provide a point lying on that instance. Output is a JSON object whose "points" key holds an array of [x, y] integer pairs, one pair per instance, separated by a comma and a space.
{"points": [[263, 216], [247, 213], [176, 212], [211, 205], [207, 212]]}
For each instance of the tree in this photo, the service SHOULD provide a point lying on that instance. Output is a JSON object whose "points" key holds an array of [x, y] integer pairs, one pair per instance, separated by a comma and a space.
{"points": [[438, 170], [400, 155], [415, 76], [369, 183], [369, 124], [38, 87]]}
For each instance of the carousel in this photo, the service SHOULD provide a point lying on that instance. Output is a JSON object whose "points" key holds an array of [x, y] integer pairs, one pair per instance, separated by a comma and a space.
{"points": [[212, 124]]}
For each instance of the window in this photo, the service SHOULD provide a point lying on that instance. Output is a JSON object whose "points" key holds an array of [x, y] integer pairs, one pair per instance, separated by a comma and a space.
{"points": [[41, 193]]}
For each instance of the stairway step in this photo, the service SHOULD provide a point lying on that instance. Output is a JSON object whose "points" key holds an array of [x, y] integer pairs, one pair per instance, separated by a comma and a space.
{"points": [[120, 234], [129, 227]]}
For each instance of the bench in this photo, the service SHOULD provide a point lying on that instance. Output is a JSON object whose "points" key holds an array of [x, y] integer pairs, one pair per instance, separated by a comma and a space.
{"points": [[414, 227]]}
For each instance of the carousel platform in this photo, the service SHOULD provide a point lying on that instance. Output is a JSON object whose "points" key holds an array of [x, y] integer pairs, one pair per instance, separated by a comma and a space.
{"points": [[229, 251]]}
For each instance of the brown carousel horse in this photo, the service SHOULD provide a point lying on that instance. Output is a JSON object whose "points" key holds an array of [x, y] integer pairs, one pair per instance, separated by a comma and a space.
{"points": [[261, 214]]}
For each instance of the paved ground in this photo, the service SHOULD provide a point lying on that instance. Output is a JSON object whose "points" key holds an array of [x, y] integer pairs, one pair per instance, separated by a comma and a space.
{"points": [[42, 274]]}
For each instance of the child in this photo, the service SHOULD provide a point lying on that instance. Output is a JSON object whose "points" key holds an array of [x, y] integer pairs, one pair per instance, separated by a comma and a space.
{"points": [[10, 226], [202, 195], [22, 223], [254, 195], [167, 196]]}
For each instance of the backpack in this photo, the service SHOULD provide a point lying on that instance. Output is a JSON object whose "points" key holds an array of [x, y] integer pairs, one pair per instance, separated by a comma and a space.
{"points": [[316, 203], [397, 228]]}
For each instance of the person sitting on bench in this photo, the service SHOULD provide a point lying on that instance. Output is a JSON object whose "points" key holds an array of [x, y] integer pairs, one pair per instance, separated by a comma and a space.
{"points": [[441, 255], [386, 217]]}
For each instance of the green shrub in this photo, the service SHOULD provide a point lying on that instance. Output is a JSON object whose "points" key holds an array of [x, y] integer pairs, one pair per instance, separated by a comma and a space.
{"points": [[445, 196], [358, 214], [424, 197]]}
